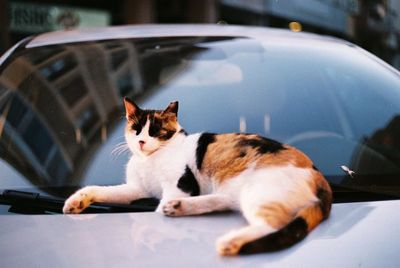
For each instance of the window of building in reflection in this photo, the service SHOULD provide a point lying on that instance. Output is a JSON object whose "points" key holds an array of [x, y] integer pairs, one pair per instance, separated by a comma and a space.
{"points": [[59, 67], [24, 135]]}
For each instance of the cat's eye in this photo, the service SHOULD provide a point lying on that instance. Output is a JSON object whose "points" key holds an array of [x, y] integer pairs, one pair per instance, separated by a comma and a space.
{"points": [[166, 134], [163, 131], [137, 128]]}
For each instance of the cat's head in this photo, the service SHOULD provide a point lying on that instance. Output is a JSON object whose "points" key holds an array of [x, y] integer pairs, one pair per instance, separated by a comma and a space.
{"points": [[148, 130]]}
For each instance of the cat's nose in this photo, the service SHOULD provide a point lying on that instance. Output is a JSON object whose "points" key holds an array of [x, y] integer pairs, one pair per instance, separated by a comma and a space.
{"points": [[141, 143]]}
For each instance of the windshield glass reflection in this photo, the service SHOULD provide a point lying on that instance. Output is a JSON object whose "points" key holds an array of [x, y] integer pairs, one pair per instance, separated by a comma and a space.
{"points": [[62, 120]]}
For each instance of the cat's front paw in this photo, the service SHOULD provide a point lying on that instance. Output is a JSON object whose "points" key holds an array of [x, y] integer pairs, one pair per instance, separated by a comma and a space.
{"points": [[80, 200], [173, 208]]}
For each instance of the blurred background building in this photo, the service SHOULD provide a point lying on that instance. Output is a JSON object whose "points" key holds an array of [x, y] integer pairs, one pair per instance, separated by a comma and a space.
{"points": [[372, 24]]}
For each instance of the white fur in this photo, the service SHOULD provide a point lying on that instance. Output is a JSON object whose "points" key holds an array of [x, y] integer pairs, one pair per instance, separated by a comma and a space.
{"points": [[275, 184], [155, 171]]}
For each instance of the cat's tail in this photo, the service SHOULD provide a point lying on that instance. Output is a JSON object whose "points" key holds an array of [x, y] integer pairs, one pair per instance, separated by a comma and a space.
{"points": [[305, 220]]}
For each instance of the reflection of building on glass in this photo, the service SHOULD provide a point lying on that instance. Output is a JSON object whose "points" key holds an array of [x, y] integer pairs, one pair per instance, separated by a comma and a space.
{"points": [[372, 24], [121, 66], [58, 105], [24, 135], [59, 102], [381, 151]]}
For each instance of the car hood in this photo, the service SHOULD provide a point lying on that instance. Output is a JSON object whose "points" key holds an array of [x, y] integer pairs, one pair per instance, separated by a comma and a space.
{"points": [[363, 234]]}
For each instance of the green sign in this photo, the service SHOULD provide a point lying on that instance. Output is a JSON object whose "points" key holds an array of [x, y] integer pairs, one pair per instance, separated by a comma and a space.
{"points": [[36, 18]]}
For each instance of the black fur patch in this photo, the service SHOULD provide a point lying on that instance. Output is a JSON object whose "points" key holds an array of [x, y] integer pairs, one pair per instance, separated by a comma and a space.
{"points": [[315, 168], [183, 132], [140, 124], [188, 183], [168, 135], [156, 129], [141, 119], [286, 237], [155, 126], [202, 144], [325, 201], [263, 145]]}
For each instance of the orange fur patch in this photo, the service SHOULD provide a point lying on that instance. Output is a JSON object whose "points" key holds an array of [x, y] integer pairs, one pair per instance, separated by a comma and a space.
{"points": [[224, 160], [169, 122], [227, 157], [312, 215], [276, 214]]}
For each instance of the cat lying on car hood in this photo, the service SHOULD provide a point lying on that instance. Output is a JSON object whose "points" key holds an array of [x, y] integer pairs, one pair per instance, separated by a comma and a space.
{"points": [[277, 188]]}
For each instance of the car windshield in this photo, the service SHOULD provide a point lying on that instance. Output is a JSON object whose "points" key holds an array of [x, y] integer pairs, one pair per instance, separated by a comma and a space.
{"points": [[62, 119]]}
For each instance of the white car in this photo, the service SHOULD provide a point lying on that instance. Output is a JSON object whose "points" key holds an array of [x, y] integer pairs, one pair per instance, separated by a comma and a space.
{"points": [[62, 124]]}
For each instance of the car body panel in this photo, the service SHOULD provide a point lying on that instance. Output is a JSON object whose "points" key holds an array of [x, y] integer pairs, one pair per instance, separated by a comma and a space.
{"points": [[351, 237]]}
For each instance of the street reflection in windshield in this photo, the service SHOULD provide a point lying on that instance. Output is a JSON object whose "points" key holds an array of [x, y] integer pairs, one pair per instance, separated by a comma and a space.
{"points": [[376, 160], [60, 103]]}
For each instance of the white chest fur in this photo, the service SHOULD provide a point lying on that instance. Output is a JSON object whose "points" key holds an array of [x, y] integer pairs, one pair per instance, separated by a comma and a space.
{"points": [[162, 169]]}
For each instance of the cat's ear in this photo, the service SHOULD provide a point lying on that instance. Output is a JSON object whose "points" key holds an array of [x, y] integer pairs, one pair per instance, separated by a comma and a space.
{"points": [[172, 108], [131, 109]]}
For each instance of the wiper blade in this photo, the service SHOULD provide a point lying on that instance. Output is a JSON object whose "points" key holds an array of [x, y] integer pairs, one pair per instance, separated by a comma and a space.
{"points": [[22, 202], [343, 194], [30, 203]]}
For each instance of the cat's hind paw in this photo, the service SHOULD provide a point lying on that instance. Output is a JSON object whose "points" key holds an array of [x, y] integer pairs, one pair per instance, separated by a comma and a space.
{"points": [[228, 246], [173, 208], [77, 202]]}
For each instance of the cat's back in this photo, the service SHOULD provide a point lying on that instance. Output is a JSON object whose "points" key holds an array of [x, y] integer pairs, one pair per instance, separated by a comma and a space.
{"points": [[227, 155]]}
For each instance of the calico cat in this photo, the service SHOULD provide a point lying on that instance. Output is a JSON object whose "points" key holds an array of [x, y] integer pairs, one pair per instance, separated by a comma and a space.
{"points": [[275, 186]]}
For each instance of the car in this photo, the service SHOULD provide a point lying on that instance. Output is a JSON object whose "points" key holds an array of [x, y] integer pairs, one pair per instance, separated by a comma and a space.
{"points": [[62, 125]]}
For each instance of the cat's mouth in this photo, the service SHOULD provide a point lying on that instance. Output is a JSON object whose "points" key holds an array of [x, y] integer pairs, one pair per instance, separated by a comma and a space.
{"points": [[146, 151]]}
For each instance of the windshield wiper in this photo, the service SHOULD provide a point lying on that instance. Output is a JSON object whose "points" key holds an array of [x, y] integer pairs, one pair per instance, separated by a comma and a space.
{"points": [[346, 194], [33, 203], [23, 202]]}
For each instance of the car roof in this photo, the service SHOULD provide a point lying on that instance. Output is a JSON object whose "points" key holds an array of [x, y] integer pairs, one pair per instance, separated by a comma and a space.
{"points": [[164, 30]]}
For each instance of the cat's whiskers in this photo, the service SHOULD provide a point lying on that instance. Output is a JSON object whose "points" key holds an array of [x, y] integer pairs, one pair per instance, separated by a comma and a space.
{"points": [[120, 148]]}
